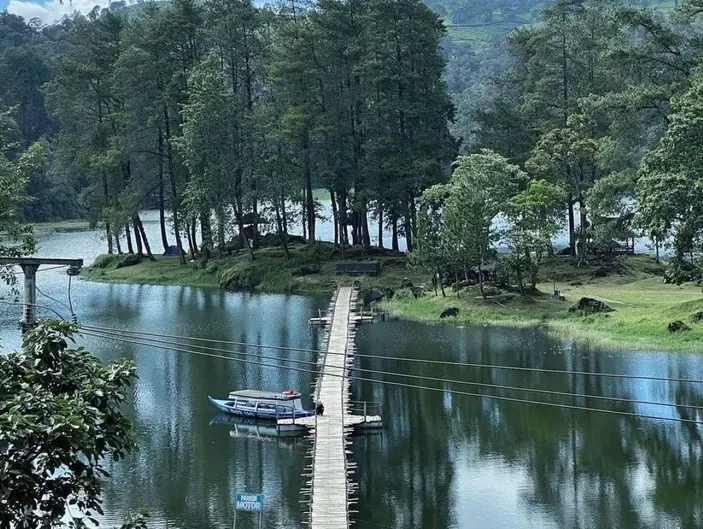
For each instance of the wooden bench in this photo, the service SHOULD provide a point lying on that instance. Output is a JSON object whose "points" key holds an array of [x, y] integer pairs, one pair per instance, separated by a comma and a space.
{"points": [[354, 269]]}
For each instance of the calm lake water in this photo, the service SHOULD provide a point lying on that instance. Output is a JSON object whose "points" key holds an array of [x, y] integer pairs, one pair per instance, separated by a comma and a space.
{"points": [[442, 460]]}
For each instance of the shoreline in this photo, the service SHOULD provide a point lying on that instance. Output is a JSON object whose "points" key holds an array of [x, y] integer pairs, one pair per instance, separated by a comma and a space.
{"points": [[642, 304]]}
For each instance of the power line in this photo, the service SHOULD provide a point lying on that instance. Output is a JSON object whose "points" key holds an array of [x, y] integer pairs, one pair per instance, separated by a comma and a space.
{"points": [[428, 378], [413, 386], [52, 299], [18, 304], [413, 360]]}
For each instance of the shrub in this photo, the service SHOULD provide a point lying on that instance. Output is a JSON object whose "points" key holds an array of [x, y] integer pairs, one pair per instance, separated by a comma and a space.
{"points": [[106, 260], [129, 260]]}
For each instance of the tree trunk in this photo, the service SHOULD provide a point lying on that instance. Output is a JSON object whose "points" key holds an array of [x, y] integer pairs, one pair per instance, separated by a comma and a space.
{"points": [[304, 215], [343, 217], [413, 216], [656, 248], [220, 216], [441, 283], [108, 231], [408, 232], [140, 225], [162, 208], [255, 227], [572, 230], [282, 235], [584, 238], [365, 236], [193, 235], [480, 278], [380, 225], [128, 236], [189, 237], [335, 217], [355, 228], [117, 243], [108, 235], [394, 241], [284, 214], [137, 237], [206, 231], [240, 225], [308, 190], [174, 192]]}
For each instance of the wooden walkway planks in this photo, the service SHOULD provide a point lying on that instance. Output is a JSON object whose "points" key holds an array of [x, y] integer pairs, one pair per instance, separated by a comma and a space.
{"points": [[329, 485]]}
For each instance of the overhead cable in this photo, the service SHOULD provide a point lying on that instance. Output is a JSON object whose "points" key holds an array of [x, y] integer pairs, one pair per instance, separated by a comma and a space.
{"points": [[419, 377], [413, 360], [413, 386]]}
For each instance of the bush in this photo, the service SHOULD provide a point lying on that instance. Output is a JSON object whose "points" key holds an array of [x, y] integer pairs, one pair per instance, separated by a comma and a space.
{"points": [[680, 272], [320, 252], [129, 260], [211, 269], [240, 279], [106, 260]]}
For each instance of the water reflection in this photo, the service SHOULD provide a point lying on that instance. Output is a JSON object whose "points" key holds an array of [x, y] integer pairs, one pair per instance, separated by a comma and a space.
{"points": [[457, 461], [442, 460]]}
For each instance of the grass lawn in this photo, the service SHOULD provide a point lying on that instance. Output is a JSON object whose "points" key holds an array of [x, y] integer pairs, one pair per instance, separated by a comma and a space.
{"points": [[643, 306]]}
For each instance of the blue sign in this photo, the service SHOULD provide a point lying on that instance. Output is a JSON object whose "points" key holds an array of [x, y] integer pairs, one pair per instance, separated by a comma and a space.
{"points": [[249, 502]]}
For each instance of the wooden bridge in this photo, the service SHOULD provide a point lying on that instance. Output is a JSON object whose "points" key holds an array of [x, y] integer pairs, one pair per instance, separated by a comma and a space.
{"points": [[330, 488]]}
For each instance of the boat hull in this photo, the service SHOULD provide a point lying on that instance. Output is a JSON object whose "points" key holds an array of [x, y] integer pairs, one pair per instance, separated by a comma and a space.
{"points": [[227, 406]]}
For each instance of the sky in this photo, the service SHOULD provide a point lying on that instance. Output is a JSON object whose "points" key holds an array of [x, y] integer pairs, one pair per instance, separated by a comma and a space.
{"points": [[49, 10]]}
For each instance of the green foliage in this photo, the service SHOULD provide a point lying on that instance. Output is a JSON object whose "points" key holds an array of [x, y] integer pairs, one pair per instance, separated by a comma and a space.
{"points": [[456, 224], [16, 238], [60, 420], [671, 180], [534, 219], [481, 186]]}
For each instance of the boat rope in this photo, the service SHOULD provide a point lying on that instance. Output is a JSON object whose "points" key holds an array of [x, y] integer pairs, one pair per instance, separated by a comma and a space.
{"points": [[419, 377], [410, 360], [415, 386]]}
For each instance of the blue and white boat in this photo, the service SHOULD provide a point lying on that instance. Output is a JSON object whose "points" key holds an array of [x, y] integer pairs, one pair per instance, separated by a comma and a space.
{"points": [[263, 405]]}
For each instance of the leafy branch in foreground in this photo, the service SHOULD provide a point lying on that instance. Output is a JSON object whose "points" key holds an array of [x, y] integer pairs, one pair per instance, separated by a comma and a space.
{"points": [[60, 423]]}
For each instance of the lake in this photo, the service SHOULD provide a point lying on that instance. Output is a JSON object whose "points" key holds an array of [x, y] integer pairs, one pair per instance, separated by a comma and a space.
{"points": [[443, 460]]}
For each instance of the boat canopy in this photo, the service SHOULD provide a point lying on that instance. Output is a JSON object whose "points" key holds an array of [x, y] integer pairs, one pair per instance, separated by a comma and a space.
{"points": [[267, 395]]}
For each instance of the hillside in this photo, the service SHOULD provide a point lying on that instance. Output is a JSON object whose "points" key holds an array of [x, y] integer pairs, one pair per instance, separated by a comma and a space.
{"points": [[480, 22]]}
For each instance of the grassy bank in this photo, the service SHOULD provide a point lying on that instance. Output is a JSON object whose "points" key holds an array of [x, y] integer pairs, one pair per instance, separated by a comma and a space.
{"points": [[633, 287], [271, 271], [643, 306], [62, 226]]}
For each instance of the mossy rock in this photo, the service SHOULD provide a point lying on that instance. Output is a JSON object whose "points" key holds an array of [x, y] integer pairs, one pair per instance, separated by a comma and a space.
{"points": [[678, 326], [451, 312], [106, 260], [307, 270], [589, 306], [129, 260], [240, 280]]}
